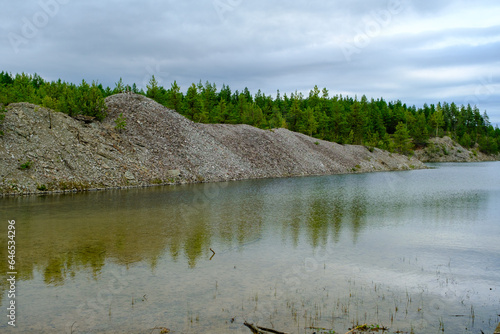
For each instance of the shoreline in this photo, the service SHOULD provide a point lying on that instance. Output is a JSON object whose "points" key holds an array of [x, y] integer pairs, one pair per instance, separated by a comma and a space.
{"points": [[46, 152], [144, 186]]}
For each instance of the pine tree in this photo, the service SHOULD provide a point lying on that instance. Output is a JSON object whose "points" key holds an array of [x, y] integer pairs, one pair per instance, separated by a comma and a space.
{"points": [[402, 139], [295, 112], [23, 89], [358, 123], [119, 87], [192, 106], [338, 125], [153, 89], [174, 97], [307, 123], [220, 114], [437, 119], [276, 120], [419, 130]]}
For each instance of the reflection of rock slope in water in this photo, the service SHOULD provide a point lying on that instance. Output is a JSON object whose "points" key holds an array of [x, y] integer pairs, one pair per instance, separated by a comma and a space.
{"points": [[158, 146]]}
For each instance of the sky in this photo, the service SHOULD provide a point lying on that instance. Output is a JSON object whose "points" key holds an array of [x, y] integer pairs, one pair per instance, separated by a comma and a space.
{"points": [[414, 51]]}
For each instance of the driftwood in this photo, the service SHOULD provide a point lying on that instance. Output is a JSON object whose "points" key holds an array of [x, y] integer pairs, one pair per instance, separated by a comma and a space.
{"points": [[261, 330]]}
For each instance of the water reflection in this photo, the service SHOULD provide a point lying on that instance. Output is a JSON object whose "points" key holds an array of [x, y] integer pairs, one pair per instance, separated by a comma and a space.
{"points": [[355, 230], [63, 235]]}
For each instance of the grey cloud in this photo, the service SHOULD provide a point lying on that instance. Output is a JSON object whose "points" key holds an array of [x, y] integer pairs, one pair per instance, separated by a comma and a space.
{"points": [[265, 45]]}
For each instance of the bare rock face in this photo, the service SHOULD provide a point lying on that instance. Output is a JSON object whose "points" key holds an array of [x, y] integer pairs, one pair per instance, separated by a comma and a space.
{"points": [[446, 150], [43, 150]]}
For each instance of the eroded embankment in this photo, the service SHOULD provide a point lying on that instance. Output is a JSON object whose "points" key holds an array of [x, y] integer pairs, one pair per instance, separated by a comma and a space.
{"points": [[447, 150], [44, 150]]}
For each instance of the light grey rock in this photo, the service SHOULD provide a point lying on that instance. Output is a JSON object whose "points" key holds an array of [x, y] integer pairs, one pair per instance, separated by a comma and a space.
{"points": [[129, 176], [159, 145], [174, 172]]}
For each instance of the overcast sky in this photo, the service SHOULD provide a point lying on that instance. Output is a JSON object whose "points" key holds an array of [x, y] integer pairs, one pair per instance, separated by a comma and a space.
{"points": [[414, 51]]}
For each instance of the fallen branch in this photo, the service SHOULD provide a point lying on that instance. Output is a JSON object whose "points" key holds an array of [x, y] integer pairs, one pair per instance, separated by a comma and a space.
{"points": [[261, 330], [270, 330], [254, 329]]}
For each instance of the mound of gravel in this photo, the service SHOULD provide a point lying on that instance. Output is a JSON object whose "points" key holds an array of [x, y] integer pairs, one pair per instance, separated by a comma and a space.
{"points": [[446, 149], [44, 150]]}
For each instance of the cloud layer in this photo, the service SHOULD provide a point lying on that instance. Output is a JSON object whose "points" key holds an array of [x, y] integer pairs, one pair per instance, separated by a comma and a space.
{"points": [[414, 51]]}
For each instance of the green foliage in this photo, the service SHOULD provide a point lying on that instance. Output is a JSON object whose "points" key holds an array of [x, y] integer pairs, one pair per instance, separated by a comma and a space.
{"points": [[488, 145], [119, 87], [372, 327], [154, 90], [174, 97], [42, 187], [343, 119], [26, 165], [90, 102], [68, 98], [120, 123], [437, 119], [419, 130], [402, 139], [466, 141]]}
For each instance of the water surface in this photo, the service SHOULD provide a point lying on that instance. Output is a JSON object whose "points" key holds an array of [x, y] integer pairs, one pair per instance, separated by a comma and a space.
{"points": [[413, 251]]}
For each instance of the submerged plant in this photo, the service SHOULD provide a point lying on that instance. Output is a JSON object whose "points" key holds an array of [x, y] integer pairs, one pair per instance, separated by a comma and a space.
{"points": [[366, 327]]}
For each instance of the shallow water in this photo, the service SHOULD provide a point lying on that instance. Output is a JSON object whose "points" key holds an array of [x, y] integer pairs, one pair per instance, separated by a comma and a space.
{"points": [[413, 251]]}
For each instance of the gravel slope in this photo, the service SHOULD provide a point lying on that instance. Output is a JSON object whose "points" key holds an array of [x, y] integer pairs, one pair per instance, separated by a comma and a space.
{"points": [[446, 150], [47, 151]]}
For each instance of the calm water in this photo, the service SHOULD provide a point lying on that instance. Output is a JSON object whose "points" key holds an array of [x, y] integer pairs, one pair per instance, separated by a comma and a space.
{"points": [[413, 251]]}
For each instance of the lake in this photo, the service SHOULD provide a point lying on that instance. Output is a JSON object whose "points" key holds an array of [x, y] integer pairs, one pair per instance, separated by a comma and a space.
{"points": [[414, 251]]}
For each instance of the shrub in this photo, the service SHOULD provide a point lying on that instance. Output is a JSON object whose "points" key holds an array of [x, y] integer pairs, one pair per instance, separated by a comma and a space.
{"points": [[121, 123], [26, 165]]}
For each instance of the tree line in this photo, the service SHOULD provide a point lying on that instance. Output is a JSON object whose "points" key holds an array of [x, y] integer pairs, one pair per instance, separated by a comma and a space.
{"points": [[392, 125]]}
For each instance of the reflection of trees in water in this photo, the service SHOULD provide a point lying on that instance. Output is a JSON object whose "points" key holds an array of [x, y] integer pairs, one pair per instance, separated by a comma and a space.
{"points": [[329, 215], [327, 211], [60, 236], [86, 256]]}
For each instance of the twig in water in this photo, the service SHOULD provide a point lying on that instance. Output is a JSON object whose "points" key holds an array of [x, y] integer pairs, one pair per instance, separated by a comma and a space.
{"points": [[212, 254], [254, 329], [261, 330], [270, 330]]}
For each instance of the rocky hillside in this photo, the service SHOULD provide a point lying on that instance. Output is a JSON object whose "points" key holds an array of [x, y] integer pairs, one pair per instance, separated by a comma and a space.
{"points": [[446, 150], [43, 150]]}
